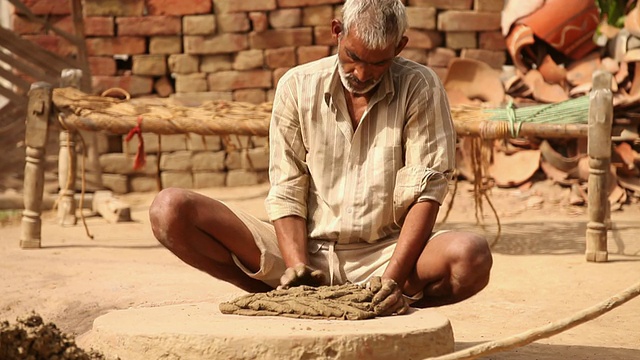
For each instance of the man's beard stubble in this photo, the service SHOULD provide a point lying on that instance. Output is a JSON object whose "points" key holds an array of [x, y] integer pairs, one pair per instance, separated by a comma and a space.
{"points": [[348, 80]]}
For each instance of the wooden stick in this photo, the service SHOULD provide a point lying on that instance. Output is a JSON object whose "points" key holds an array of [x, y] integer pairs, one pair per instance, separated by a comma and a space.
{"points": [[67, 160], [599, 149], [545, 331], [37, 127]]}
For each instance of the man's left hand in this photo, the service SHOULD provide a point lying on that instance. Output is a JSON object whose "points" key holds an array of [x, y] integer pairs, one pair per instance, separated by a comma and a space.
{"points": [[387, 298]]}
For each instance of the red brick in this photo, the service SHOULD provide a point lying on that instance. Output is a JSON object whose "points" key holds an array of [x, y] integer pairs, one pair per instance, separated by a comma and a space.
{"points": [[444, 4], [199, 24], [215, 63], [317, 15], [488, 5], [219, 44], [53, 43], [310, 53], [229, 6], [134, 85], [190, 83], [150, 65], [322, 36], [163, 87], [461, 39], [494, 58], [280, 57], [423, 39], [102, 65], [249, 59], [48, 7], [280, 38], [99, 26], [254, 96], [149, 25], [234, 80], [178, 7], [236, 22], [468, 21], [303, 3], [259, 21], [183, 63], [417, 55], [492, 40], [440, 57], [165, 45], [285, 18], [113, 8], [422, 17], [118, 45], [23, 26]]}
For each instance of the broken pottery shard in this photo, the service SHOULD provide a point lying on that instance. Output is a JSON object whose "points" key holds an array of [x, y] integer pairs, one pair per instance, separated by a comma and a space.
{"points": [[542, 91], [514, 169], [474, 79]]}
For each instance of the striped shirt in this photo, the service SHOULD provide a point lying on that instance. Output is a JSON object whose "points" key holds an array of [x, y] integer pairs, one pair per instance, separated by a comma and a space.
{"points": [[357, 186]]}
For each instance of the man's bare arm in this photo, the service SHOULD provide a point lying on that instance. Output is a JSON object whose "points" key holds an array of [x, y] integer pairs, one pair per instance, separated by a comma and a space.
{"points": [[292, 241], [415, 232], [413, 238]]}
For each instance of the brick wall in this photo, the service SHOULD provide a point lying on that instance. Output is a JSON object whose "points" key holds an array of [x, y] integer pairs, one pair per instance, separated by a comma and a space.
{"points": [[238, 49], [199, 50]]}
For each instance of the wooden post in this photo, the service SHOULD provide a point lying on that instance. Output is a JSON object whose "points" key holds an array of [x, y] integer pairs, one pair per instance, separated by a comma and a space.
{"points": [[599, 149], [37, 127], [67, 160]]}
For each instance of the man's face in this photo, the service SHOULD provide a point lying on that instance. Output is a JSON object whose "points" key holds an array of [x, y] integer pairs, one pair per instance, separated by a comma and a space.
{"points": [[361, 69]]}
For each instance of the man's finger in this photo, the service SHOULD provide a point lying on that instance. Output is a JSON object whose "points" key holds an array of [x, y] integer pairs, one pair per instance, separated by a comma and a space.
{"points": [[301, 270], [388, 286], [375, 284], [288, 277], [318, 277], [387, 305]]}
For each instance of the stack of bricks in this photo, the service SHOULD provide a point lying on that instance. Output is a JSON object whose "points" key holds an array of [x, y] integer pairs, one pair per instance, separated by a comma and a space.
{"points": [[186, 161], [235, 50]]}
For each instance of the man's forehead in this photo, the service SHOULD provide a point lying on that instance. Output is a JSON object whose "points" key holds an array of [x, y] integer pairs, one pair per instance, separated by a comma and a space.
{"points": [[354, 46]]}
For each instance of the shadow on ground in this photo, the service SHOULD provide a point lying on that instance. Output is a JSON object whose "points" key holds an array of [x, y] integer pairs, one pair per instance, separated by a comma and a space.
{"points": [[554, 352], [551, 238]]}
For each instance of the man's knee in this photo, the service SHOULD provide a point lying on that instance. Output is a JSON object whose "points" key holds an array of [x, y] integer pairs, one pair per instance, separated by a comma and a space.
{"points": [[472, 260], [167, 213]]}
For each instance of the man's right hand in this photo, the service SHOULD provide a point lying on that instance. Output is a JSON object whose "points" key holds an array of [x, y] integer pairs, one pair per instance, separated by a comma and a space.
{"points": [[302, 274]]}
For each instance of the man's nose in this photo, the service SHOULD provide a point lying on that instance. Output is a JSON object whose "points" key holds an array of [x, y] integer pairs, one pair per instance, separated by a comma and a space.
{"points": [[362, 72]]}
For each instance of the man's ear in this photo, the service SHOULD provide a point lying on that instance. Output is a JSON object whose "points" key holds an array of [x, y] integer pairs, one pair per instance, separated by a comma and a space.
{"points": [[403, 42], [336, 29]]}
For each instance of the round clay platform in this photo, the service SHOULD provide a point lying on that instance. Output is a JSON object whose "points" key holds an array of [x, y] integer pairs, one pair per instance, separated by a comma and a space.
{"points": [[200, 331]]}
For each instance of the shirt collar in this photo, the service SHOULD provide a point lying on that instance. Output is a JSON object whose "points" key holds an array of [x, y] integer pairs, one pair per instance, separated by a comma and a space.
{"points": [[385, 89]]}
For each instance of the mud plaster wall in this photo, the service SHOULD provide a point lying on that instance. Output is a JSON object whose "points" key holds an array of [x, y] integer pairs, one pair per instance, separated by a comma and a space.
{"points": [[199, 50]]}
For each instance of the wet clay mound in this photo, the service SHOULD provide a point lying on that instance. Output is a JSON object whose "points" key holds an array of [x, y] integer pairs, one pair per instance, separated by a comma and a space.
{"points": [[31, 338], [348, 302]]}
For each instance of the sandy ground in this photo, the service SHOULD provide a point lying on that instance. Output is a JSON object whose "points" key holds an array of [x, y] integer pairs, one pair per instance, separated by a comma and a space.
{"points": [[539, 274]]}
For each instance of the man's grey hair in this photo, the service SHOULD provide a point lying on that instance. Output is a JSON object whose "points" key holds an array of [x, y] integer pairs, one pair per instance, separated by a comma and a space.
{"points": [[377, 23]]}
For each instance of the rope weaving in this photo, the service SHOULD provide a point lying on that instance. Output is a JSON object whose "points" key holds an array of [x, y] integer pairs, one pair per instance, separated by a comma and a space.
{"points": [[164, 117], [338, 302]]}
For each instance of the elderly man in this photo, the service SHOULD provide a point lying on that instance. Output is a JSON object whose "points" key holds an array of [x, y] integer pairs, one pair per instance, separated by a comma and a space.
{"points": [[362, 147]]}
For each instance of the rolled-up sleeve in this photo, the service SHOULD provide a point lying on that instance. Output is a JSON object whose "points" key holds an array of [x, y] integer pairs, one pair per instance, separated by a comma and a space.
{"points": [[430, 143], [288, 173]]}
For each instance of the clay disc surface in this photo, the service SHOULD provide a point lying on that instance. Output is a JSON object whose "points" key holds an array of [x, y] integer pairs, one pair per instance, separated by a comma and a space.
{"points": [[200, 331]]}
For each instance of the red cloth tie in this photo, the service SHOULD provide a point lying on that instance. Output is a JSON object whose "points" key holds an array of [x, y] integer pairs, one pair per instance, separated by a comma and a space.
{"points": [[140, 159]]}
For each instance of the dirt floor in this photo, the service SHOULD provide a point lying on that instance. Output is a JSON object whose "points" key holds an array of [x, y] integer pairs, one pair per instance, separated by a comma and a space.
{"points": [[539, 274]]}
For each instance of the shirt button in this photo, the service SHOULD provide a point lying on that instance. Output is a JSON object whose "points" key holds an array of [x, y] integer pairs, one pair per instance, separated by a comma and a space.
{"points": [[350, 210]]}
